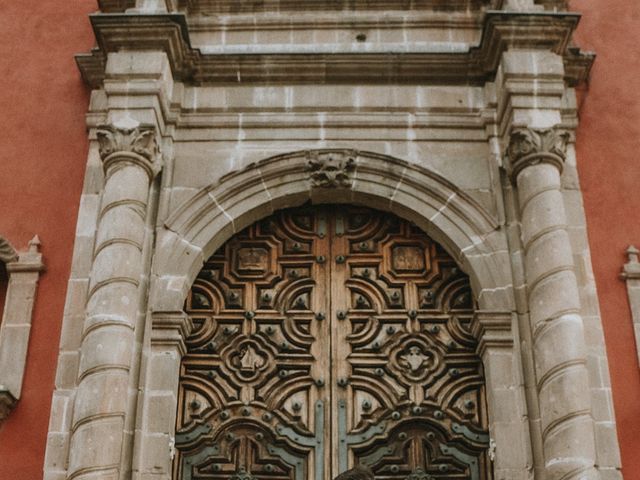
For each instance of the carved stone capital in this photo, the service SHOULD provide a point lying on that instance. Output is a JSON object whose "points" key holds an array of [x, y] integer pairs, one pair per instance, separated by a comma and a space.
{"points": [[331, 169], [493, 330], [171, 329], [7, 252], [134, 143], [532, 146]]}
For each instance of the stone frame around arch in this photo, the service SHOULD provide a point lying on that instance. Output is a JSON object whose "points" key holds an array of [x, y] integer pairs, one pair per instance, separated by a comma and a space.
{"points": [[200, 225]]}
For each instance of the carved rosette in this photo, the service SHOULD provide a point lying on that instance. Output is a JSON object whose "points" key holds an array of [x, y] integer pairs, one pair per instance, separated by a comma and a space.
{"points": [[530, 146], [331, 169], [137, 144]]}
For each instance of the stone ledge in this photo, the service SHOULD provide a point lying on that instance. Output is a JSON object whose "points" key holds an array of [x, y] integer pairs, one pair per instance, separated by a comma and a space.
{"points": [[236, 6], [477, 65]]}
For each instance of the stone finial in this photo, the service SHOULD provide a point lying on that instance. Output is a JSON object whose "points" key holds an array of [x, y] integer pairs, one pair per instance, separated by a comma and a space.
{"points": [[531, 146], [140, 140], [331, 169], [7, 252]]}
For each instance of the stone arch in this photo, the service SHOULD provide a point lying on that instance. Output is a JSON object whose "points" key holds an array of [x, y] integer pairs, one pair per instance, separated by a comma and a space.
{"points": [[201, 224], [470, 234]]}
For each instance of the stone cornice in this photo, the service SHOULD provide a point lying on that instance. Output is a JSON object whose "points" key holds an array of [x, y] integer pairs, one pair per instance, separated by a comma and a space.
{"points": [[234, 6], [29, 261], [413, 63], [112, 6], [531, 146]]}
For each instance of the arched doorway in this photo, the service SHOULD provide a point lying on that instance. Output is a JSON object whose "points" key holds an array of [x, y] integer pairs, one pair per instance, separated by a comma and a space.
{"points": [[325, 337]]}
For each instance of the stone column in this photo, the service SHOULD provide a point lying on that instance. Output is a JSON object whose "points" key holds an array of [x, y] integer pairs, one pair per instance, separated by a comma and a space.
{"points": [[536, 159], [129, 155]]}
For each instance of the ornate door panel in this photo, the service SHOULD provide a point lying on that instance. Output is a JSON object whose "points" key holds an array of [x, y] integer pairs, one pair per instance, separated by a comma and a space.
{"points": [[325, 337]]}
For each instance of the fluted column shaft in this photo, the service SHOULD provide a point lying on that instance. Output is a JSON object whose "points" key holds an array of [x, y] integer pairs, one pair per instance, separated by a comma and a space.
{"points": [[108, 341], [537, 158]]}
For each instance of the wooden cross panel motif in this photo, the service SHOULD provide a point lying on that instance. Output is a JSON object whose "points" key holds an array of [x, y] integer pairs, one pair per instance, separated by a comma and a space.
{"points": [[327, 337]]}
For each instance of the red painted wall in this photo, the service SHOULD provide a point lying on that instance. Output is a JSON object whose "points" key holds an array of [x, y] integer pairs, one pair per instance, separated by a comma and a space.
{"points": [[608, 145], [43, 151]]}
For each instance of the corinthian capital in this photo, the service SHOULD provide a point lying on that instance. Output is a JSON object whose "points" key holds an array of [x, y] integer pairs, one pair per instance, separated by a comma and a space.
{"points": [[531, 146], [140, 140]]}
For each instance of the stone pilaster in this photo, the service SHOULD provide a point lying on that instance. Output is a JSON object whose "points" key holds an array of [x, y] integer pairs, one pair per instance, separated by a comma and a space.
{"points": [[536, 158], [130, 159], [510, 449], [24, 271], [155, 439]]}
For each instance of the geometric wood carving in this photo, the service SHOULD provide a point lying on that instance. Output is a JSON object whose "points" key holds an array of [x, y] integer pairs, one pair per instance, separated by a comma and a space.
{"points": [[326, 338]]}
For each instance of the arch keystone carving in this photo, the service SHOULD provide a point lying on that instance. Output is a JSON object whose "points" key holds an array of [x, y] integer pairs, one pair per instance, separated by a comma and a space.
{"points": [[331, 168]]}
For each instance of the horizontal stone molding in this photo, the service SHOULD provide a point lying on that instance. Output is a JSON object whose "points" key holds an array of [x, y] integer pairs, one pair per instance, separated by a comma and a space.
{"points": [[493, 329], [400, 63], [233, 6]]}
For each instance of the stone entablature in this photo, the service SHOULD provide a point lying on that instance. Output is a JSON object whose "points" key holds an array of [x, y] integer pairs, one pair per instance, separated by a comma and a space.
{"points": [[272, 59]]}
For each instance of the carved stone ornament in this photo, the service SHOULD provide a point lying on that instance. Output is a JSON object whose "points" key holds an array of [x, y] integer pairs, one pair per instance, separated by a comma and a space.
{"points": [[331, 169], [7, 252], [530, 146], [140, 140]]}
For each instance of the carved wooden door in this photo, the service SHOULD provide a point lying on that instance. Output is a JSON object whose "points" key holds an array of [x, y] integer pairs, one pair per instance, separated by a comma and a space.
{"points": [[327, 337]]}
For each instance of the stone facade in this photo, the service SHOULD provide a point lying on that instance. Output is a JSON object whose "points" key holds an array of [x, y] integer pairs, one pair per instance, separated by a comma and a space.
{"points": [[206, 117]]}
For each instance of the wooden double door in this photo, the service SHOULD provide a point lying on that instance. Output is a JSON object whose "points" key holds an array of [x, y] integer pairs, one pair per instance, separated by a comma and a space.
{"points": [[326, 337]]}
